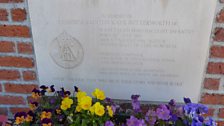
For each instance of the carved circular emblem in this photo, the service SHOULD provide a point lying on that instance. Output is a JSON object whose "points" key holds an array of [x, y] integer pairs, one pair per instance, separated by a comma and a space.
{"points": [[66, 51]]}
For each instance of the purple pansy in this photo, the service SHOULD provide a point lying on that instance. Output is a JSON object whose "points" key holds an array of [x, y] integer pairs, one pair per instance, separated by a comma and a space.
{"points": [[150, 117], [187, 100], [172, 102], [109, 123], [196, 123], [109, 100], [195, 109], [210, 122], [163, 112], [20, 114], [36, 91], [44, 88], [34, 103], [135, 122], [52, 100], [179, 111], [113, 105], [63, 93], [47, 110], [173, 117], [46, 121], [136, 103], [30, 113], [52, 88], [61, 118], [76, 89]]}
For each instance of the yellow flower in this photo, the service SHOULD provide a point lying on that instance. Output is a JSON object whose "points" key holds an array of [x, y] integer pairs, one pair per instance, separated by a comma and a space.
{"points": [[19, 120], [110, 111], [92, 109], [35, 95], [65, 106], [49, 124], [78, 108], [99, 94], [80, 95], [85, 102], [45, 114], [66, 103], [29, 118], [58, 111], [33, 105], [99, 109]]}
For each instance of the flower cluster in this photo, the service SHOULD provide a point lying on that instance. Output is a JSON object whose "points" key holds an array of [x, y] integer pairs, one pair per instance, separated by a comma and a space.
{"points": [[80, 109], [64, 107], [170, 114]]}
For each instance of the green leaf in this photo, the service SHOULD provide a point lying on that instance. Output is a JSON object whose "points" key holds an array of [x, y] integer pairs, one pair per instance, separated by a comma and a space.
{"points": [[77, 121], [73, 124], [84, 122], [179, 123]]}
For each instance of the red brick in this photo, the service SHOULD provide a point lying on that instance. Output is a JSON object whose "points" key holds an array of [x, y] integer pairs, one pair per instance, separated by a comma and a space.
{"points": [[7, 46], [3, 15], [211, 84], [219, 34], [14, 31], [215, 68], [3, 111], [220, 123], [11, 1], [20, 88], [221, 1], [15, 110], [9, 75], [217, 51], [10, 61], [210, 112], [29, 75], [18, 14], [221, 113], [214, 99], [26, 48], [220, 16], [12, 100]]}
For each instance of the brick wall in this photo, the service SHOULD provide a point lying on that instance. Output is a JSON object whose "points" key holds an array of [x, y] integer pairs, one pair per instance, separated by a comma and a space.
{"points": [[17, 59], [213, 89], [18, 70]]}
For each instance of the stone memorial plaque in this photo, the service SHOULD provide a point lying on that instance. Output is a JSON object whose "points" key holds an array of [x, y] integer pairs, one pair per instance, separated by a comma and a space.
{"points": [[155, 48]]}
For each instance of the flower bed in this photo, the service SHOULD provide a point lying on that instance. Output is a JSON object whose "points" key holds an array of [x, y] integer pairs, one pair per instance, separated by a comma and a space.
{"points": [[79, 109]]}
